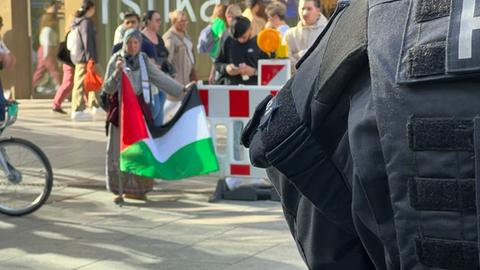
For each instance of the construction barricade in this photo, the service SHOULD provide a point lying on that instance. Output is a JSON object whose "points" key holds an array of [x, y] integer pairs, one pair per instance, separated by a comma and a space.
{"points": [[228, 108], [274, 71]]}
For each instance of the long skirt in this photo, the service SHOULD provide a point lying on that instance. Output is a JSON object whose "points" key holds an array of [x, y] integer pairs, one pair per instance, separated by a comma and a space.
{"points": [[131, 184]]}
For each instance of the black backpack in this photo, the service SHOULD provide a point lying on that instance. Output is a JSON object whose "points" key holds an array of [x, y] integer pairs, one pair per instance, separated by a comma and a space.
{"points": [[63, 53]]}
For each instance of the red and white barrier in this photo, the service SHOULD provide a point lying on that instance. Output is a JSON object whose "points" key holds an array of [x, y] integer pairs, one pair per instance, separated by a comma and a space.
{"points": [[274, 71], [228, 108]]}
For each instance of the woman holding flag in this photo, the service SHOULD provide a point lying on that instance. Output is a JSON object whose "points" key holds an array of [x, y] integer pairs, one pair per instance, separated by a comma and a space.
{"points": [[141, 73]]}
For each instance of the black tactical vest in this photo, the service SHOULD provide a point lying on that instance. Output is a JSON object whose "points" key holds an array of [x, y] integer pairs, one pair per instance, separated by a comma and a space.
{"points": [[373, 145]]}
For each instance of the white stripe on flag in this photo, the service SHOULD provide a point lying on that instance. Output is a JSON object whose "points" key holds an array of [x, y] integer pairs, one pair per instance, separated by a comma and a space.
{"points": [[192, 126]]}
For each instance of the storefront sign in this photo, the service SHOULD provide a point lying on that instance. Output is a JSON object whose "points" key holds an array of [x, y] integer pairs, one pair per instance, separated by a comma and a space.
{"points": [[184, 5]]}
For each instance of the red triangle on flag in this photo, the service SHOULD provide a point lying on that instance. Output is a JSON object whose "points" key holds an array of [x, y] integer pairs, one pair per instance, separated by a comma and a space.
{"points": [[132, 123], [269, 72]]}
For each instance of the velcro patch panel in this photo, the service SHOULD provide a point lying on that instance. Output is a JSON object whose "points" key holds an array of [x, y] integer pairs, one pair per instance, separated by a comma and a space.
{"points": [[440, 134], [447, 254], [426, 60], [432, 194], [428, 10]]}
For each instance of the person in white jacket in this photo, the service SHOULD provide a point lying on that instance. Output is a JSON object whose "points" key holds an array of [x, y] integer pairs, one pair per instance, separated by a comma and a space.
{"points": [[302, 36]]}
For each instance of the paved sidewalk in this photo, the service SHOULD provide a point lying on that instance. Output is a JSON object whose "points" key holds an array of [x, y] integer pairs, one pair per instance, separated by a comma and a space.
{"points": [[81, 228]]}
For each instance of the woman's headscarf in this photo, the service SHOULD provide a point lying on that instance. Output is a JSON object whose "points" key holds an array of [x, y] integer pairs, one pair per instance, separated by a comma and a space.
{"points": [[135, 62], [131, 60]]}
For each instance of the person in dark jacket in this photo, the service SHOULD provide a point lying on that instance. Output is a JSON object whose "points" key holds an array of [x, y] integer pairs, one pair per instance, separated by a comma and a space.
{"points": [[232, 11], [238, 59], [132, 20], [152, 21], [374, 144]]}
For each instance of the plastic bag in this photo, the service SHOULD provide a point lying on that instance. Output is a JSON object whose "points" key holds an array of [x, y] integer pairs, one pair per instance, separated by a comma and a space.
{"points": [[93, 81]]}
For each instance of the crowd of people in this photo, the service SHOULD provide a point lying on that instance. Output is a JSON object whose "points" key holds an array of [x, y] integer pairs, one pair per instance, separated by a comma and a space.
{"points": [[229, 40], [237, 58], [168, 61]]}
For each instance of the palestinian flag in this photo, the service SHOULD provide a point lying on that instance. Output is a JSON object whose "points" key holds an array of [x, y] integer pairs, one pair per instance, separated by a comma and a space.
{"points": [[179, 149]]}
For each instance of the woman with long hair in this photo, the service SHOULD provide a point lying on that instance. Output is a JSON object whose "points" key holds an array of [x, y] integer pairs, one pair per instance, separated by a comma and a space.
{"points": [[152, 22], [87, 52]]}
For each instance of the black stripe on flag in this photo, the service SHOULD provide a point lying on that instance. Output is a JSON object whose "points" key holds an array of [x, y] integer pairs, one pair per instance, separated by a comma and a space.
{"points": [[189, 101]]}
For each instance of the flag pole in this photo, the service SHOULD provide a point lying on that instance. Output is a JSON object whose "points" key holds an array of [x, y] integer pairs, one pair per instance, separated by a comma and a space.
{"points": [[120, 181]]}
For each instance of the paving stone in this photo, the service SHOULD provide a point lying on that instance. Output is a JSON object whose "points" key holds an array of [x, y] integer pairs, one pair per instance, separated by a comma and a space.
{"points": [[177, 228]]}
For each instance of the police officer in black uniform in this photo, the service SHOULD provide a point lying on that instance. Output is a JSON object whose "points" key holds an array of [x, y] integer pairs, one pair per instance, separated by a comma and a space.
{"points": [[374, 145]]}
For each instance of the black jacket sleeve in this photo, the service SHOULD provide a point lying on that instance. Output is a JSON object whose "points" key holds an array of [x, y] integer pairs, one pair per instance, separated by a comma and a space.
{"points": [[222, 60]]}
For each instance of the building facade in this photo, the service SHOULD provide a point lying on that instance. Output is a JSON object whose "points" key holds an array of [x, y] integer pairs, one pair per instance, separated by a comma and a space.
{"points": [[21, 32]]}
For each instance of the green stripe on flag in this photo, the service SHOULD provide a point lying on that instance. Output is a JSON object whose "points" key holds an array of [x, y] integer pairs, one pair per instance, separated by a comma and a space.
{"points": [[193, 159]]}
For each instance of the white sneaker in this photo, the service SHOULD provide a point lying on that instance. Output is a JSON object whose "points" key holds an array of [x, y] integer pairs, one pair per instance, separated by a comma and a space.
{"points": [[81, 116], [96, 110]]}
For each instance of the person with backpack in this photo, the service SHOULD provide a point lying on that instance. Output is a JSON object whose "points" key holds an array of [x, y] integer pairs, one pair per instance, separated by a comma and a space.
{"points": [[83, 48], [65, 88], [209, 38]]}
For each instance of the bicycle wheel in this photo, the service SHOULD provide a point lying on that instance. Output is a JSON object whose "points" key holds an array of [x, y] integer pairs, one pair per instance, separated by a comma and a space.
{"points": [[29, 183]]}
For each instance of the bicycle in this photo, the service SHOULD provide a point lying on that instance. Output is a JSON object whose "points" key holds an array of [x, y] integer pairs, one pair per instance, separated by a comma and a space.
{"points": [[27, 178]]}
